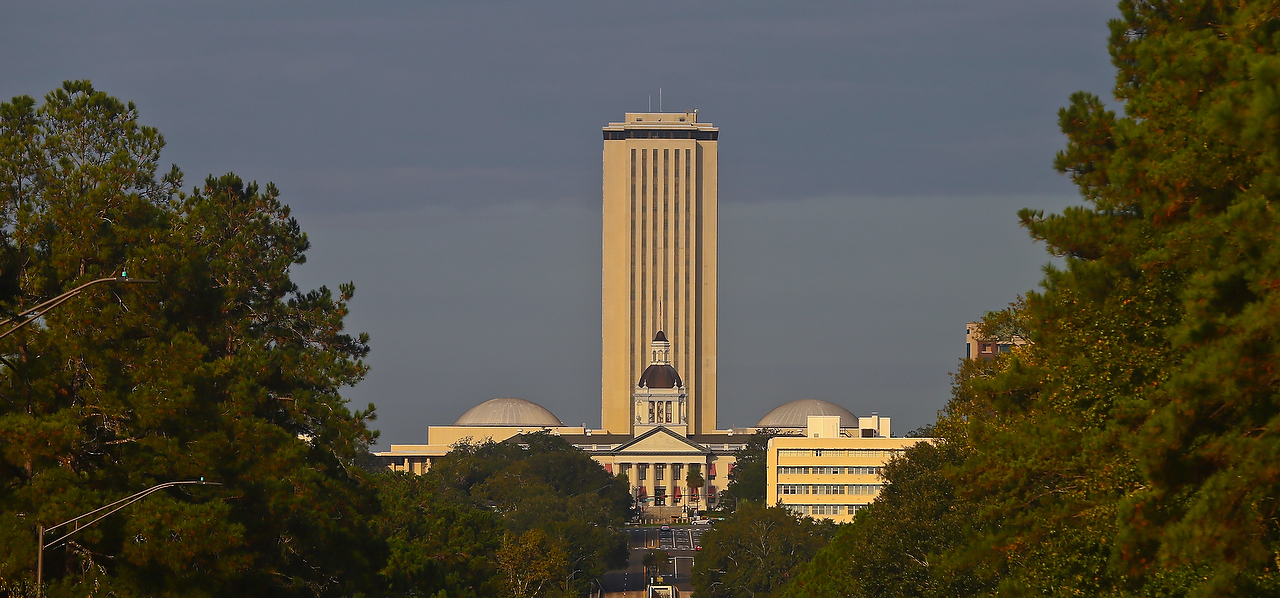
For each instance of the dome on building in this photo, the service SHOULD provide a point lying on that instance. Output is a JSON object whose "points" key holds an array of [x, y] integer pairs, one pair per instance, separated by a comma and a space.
{"points": [[796, 414], [509, 411], [660, 375]]}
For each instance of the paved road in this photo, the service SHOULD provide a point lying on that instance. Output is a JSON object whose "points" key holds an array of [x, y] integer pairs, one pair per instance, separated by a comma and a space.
{"points": [[678, 543]]}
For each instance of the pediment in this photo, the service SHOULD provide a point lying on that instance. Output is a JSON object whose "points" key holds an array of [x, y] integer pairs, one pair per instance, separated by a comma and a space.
{"points": [[664, 441]]}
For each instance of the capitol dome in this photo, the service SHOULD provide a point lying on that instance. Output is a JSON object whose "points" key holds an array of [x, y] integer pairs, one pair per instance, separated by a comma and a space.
{"points": [[509, 411], [796, 414], [660, 375]]}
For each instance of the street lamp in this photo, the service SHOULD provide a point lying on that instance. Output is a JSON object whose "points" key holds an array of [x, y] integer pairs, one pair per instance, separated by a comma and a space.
{"points": [[34, 313], [110, 509]]}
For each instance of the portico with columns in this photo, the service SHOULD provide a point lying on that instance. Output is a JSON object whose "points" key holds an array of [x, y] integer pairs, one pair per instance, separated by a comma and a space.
{"points": [[657, 463]]}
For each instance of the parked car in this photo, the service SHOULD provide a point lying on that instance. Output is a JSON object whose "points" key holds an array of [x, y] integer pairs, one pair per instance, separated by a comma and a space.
{"points": [[665, 526], [701, 522]]}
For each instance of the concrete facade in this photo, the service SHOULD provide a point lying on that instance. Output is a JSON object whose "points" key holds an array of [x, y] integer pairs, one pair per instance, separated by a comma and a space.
{"points": [[659, 237], [828, 474]]}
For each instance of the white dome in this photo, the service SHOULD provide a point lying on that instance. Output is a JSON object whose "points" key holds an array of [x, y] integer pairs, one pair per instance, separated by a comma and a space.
{"points": [[796, 414], [509, 411]]}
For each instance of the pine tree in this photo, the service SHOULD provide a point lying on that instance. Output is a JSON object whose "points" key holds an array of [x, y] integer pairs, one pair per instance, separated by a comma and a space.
{"points": [[224, 370], [1131, 446]]}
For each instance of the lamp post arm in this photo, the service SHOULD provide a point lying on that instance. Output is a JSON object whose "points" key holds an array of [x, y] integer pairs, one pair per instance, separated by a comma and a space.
{"points": [[119, 504], [30, 315], [99, 509]]}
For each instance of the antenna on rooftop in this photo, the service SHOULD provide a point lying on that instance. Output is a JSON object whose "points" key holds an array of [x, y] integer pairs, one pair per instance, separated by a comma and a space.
{"points": [[650, 102], [659, 99]]}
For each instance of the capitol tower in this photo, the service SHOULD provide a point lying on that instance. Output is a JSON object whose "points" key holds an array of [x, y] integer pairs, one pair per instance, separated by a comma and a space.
{"points": [[659, 260]]}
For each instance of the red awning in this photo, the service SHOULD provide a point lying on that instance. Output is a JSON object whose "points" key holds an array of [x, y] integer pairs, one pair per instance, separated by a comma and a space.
{"points": [[642, 492], [677, 492], [711, 470], [728, 470], [608, 467]]}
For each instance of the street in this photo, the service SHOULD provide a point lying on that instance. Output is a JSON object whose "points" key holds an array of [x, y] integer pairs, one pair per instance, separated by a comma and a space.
{"points": [[677, 542]]}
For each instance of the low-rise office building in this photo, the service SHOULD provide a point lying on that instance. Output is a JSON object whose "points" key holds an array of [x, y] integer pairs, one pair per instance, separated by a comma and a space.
{"points": [[828, 472]]}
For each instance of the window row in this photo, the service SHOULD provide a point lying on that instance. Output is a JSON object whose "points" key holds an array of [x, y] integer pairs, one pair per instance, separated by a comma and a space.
{"points": [[832, 470], [870, 489], [824, 509], [843, 453]]}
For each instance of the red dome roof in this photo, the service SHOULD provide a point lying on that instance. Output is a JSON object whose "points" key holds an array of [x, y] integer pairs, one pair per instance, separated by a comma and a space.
{"points": [[660, 375]]}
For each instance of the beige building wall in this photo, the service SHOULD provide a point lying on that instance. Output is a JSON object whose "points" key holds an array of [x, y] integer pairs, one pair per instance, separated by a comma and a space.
{"points": [[660, 197], [828, 477]]}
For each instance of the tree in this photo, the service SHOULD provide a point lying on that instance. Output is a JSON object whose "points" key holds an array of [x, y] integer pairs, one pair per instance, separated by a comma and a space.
{"points": [[435, 544], [749, 479], [693, 480], [755, 551], [540, 482], [1128, 449], [652, 562], [224, 369], [896, 546], [532, 563]]}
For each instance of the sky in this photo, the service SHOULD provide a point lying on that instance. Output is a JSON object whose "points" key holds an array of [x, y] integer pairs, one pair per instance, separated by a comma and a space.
{"points": [[446, 158]]}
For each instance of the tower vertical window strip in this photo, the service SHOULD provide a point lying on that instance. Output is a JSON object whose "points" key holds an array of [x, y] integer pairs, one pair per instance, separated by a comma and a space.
{"points": [[666, 237], [653, 243], [632, 314], [677, 342], [695, 386], [643, 256], [688, 296]]}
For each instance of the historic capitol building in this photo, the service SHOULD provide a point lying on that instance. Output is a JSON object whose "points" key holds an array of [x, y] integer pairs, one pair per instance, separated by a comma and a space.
{"points": [[658, 403]]}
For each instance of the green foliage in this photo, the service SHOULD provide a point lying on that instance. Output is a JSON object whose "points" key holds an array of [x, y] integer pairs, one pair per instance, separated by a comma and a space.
{"points": [[538, 482], [756, 551], [653, 561], [896, 546], [1128, 450], [434, 543], [532, 563], [223, 370], [693, 479], [749, 480]]}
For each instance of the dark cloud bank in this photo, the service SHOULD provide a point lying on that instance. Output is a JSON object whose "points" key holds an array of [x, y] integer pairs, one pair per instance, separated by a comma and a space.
{"points": [[446, 158]]}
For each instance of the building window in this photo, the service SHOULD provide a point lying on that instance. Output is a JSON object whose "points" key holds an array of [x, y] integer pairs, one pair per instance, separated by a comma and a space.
{"points": [[641, 472], [841, 453], [668, 411], [658, 471], [650, 411], [865, 489]]}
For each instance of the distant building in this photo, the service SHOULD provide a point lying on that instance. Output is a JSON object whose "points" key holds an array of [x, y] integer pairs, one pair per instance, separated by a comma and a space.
{"points": [[829, 473], [659, 260], [658, 332], [976, 346]]}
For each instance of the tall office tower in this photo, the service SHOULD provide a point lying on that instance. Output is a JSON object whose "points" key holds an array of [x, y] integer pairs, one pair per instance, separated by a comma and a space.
{"points": [[659, 269]]}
